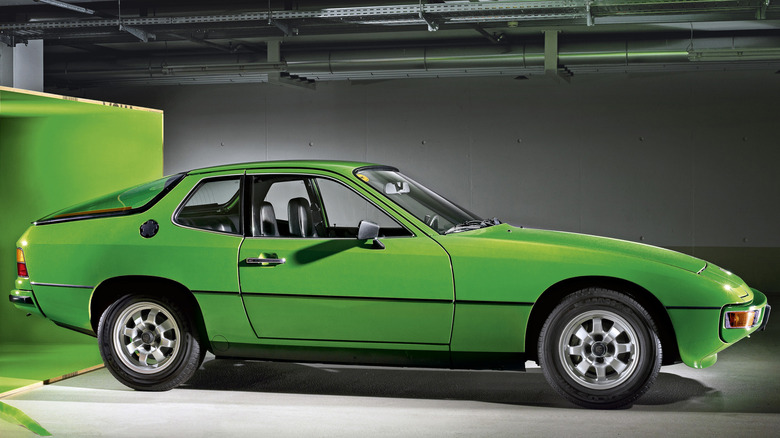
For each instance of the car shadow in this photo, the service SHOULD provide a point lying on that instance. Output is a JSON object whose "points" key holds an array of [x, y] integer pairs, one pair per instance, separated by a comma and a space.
{"points": [[328, 248], [514, 388]]}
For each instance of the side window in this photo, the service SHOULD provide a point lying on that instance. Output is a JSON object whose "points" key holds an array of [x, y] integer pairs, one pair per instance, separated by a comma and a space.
{"points": [[301, 206], [281, 206], [280, 193], [343, 209], [214, 205]]}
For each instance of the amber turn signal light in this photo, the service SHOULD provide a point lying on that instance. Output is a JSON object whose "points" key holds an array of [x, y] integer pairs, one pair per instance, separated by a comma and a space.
{"points": [[741, 319]]}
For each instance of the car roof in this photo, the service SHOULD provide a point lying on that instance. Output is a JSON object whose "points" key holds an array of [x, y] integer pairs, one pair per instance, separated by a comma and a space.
{"points": [[337, 166]]}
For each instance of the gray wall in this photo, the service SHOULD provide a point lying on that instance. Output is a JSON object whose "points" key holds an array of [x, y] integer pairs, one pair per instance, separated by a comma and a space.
{"points": [[685, 161]]}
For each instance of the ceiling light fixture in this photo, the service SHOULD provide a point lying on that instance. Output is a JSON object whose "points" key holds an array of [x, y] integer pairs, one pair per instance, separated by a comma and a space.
{"points": [[736, 54], [68, 6]]}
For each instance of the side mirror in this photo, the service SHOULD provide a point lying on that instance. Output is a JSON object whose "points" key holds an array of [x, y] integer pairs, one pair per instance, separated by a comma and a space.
{"points": [[397, 188], [368, 230]]}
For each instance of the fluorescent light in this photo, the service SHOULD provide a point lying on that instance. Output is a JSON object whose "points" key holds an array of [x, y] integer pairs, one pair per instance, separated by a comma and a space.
{"points": [[746, 54], [69, 6]]}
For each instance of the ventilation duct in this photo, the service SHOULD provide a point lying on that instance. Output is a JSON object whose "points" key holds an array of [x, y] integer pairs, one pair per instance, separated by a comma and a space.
{"points": [[437, 61]]}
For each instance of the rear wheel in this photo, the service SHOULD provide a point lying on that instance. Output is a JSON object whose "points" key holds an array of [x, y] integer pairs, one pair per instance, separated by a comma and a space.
{"points": [[599, 349], [149, 343]]}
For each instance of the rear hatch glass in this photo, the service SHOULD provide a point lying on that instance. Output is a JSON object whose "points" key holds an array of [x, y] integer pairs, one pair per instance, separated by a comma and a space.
{"points": [[125, 201]]}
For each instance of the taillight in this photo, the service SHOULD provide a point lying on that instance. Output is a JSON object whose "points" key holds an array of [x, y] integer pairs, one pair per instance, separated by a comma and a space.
{"points": [[21, 266]]}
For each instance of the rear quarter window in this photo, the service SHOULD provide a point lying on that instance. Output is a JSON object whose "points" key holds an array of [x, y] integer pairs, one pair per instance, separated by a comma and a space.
{"points": [[214, 205]]}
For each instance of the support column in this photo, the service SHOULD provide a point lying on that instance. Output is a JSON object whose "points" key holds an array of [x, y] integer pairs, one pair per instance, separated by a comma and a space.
{"points": [[22, 66], [283, 78], [6, 65], [551, 52], [551, 67]]}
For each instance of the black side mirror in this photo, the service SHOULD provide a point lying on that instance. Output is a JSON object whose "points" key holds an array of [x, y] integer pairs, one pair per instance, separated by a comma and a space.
{"points": [[368, 230]]}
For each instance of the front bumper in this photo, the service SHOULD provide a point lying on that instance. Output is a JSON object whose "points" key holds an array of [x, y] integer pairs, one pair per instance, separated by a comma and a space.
{"points": [[758, 304], [767, 311], [701, 331]]}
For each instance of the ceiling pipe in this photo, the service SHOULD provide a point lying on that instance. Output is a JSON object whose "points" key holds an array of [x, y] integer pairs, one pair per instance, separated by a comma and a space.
{"points": [[530, 55], [516, 55]]}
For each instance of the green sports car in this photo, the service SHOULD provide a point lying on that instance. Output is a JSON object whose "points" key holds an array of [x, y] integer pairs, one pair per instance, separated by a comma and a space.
{"points": [[344, 262]]}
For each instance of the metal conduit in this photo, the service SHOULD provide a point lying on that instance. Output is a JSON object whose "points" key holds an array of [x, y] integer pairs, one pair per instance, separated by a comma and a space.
{"points": [[530, 55], [523, 55]]}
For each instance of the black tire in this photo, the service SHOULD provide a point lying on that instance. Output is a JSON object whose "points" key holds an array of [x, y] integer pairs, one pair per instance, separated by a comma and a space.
{"points": [[160, 353], [600, 349]]}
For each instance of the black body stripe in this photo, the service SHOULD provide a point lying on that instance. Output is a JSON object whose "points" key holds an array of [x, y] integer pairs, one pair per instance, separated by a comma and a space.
{"points": [[495, 303], [213, 292], [340, 297], [342, 340], [61, 285], [362, 298], [691, 308]]}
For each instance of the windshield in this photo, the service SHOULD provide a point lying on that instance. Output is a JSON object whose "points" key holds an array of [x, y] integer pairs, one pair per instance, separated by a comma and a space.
{"points": [[120, 202], [434, 210]]}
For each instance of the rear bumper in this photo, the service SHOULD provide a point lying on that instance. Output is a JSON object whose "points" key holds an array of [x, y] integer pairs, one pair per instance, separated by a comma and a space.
{"points": [[21, 300], [24, 300]]}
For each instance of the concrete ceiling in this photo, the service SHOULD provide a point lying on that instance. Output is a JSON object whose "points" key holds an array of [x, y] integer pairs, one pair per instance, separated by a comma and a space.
{"points": [[145, 42]]}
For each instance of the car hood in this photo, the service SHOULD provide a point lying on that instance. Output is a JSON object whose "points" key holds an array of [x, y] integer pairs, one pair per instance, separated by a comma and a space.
{"points": [[650, 253]]}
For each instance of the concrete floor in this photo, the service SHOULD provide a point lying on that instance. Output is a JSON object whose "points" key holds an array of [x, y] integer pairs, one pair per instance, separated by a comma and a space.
{"points": [[736, 397]]}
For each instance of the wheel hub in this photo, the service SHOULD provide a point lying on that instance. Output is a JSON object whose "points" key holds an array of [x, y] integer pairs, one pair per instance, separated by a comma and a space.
{"points": [[599, 349], [147, 337]]}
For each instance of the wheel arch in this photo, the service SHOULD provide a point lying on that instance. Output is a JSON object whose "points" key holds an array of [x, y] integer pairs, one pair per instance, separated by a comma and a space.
{"points": [[557, 292], [110, 290]]}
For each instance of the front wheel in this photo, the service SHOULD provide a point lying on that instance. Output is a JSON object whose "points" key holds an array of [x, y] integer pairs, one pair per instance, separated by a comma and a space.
{"points": [[599, 349], [148, 343]]}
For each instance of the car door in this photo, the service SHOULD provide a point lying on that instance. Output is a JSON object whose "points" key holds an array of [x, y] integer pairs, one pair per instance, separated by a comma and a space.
{"points": [[305, 276]]}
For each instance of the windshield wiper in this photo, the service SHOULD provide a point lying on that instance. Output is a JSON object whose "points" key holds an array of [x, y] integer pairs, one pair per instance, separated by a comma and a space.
{"points": [[473, 225]]}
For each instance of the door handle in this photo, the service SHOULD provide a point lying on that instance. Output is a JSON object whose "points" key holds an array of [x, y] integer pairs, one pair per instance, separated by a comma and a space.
{"points": [[266, 260]]}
